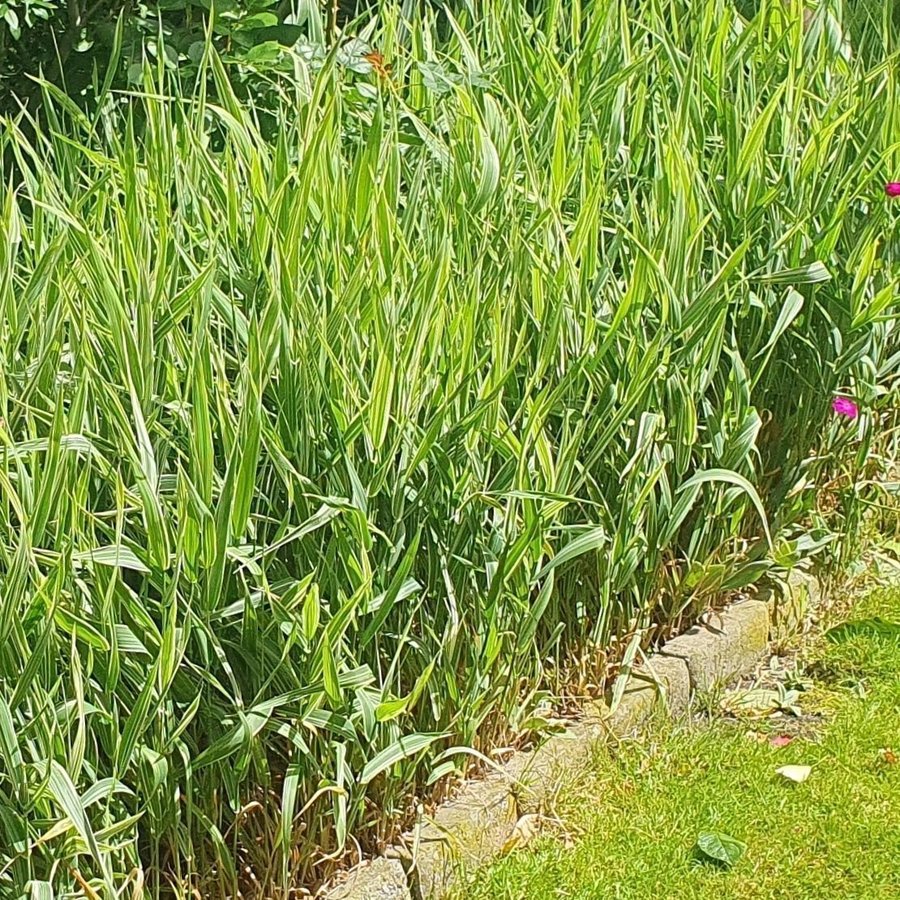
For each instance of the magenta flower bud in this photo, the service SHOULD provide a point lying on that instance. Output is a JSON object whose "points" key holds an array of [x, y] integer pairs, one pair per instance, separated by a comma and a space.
{"points": [[892, 189], [844, 407]]}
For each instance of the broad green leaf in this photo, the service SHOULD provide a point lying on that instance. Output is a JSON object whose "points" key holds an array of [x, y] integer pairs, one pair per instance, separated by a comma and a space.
{"points": [[727, 476], [41, 890], [11, 751], [793, 304], [289, 792], [720, 847], [814, 273], [329, 673], [409, 745], [591, 540], [116, 556], [66, 796]]}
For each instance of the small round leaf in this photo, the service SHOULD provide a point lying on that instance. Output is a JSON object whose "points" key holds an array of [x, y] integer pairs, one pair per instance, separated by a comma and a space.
{"points": [[721, 848]]}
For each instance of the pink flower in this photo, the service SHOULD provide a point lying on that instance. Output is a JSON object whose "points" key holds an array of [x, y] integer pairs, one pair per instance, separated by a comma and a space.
{"points": [[892, 189], [844, 407]]}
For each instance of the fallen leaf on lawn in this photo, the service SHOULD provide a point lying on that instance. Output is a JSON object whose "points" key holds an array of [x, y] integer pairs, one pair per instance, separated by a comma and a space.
{"points": [[888, 756], [781, 740], [719, 847], [524, 831], [797, 774], [757, 736]]}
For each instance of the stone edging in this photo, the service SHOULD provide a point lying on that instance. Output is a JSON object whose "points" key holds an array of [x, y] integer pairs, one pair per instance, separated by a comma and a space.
{"points": [[470, 829]]}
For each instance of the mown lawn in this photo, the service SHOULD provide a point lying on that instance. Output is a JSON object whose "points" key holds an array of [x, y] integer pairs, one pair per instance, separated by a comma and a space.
{"points": [[636, 819]]}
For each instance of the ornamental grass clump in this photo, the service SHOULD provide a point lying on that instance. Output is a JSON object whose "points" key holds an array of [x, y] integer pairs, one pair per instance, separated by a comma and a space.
{"points": [[337, 423]]}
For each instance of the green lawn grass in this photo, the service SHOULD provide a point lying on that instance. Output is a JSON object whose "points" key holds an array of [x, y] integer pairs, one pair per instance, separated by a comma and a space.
{"points": [[639, 813]]}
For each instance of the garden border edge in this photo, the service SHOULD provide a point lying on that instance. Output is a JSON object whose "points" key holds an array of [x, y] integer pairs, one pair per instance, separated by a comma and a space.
{"points": [[471, 828]]}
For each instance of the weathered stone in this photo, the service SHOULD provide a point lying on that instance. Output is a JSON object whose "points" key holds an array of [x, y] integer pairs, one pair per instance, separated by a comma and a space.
{"points": [[434, 870], [730, 643], [471, 828], [665, 680], [466, 831], [789, 604], [539, 773], [374, 879]]}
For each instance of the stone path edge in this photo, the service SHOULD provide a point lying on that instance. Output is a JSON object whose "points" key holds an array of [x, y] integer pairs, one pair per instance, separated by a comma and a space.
{"points": [[471, 828]]}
